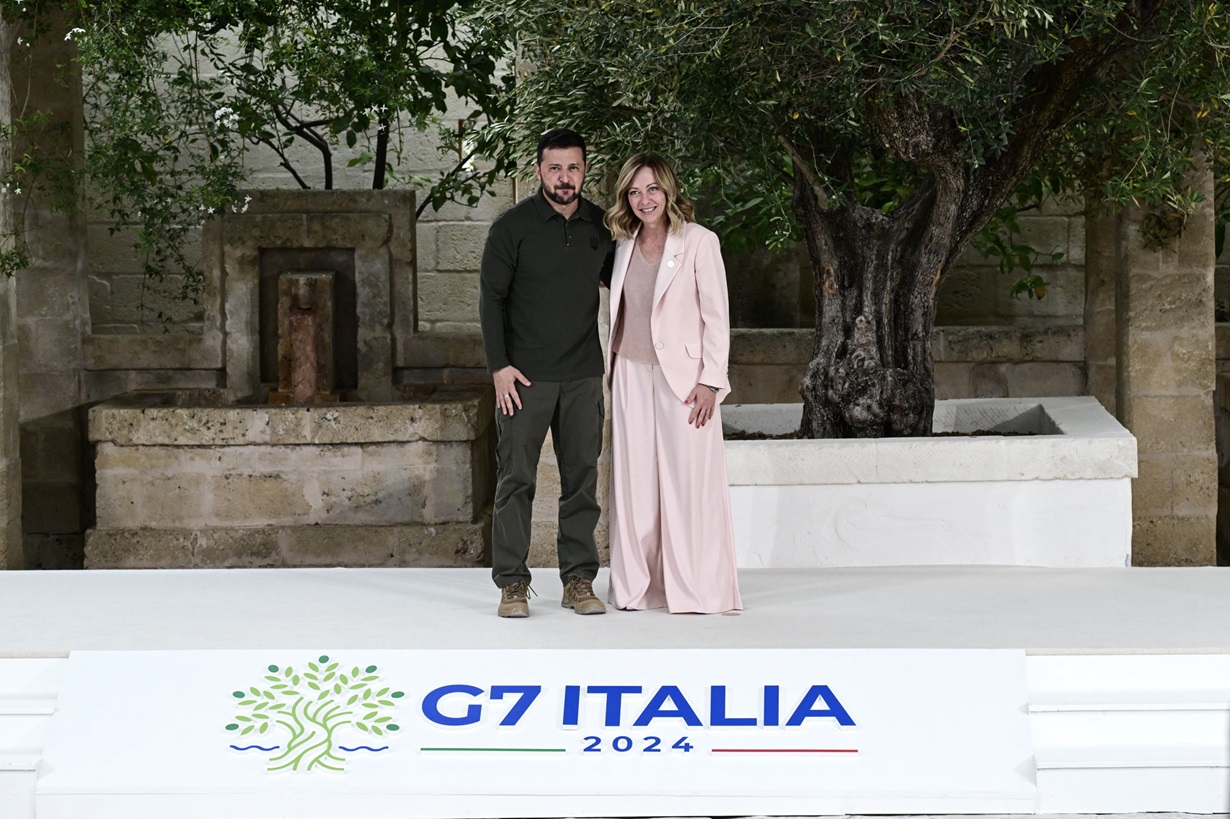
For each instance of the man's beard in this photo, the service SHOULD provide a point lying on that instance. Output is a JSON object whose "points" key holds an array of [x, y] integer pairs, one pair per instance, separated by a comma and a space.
{"points": [[560, 199]]}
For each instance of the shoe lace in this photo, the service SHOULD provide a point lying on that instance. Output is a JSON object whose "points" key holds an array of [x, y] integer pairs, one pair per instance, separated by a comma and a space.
{"points": [[518, 589], [582, 587]]}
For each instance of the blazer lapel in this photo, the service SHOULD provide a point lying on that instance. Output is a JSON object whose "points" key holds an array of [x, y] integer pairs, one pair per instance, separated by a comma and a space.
{"points": [[672, 261], [619, 271]]}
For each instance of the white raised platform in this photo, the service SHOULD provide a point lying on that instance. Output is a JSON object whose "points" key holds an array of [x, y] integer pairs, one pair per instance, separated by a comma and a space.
{"points": [[1127, 671], [1023, 499]]}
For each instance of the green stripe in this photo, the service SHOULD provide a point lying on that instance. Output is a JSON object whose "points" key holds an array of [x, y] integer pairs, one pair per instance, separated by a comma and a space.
{"points": [[507, 750]]}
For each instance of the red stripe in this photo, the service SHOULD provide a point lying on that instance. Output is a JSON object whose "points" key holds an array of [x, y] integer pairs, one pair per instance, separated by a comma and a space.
{"points": [[785, 750]]}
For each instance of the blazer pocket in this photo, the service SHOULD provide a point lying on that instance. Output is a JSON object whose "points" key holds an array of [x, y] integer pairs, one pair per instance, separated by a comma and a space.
{"points": [[693, 350]]}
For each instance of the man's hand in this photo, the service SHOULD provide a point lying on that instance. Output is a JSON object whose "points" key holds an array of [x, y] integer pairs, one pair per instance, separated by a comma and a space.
{"points": [[702, 400], [505, 381]]}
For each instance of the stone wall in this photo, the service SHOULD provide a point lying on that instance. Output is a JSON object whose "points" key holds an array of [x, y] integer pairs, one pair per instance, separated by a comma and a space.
{"points": [[1166, 362], [970, 362], [122, 301], [975, 292]]}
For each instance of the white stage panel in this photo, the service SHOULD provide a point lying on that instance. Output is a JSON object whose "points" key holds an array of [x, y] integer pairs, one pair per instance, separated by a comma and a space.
{"points": [[536, 732]]}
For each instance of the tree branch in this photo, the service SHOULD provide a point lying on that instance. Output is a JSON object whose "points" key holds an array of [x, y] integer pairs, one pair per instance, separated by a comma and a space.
{"points": [[822, 198], [1059, 87]]}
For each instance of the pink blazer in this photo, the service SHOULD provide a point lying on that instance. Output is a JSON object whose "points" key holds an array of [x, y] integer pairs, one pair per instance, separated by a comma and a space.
{"points": [[690, 322]]}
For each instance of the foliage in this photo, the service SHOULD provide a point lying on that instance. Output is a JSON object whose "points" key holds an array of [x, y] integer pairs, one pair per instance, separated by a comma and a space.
{"points": [[897, 131], [179, 91], [743, 93]]}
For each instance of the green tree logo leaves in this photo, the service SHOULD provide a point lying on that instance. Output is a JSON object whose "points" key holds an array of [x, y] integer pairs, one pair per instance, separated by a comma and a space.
{"points": [[313, 705]]}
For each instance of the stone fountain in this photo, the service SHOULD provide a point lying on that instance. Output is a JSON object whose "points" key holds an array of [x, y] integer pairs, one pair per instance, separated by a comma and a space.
{"points": [[312, 453]]}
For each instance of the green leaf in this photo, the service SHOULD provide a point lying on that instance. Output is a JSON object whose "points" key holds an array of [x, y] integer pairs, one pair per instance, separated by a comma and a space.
{"points": [[233, 727]]}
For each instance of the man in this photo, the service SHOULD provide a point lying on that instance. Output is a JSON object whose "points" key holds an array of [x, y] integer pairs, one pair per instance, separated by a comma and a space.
{"points": [[538, 304]]}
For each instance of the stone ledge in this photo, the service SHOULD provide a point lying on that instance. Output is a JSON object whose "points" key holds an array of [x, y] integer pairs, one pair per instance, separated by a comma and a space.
{"points": [[1092, 446], [193, 418], [794, 346], [443, 349], [452, 545], [168, 351], [281, 202]]}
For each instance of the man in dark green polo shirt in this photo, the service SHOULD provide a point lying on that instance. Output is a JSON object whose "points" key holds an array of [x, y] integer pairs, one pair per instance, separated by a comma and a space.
{"points": [[538, 304]]}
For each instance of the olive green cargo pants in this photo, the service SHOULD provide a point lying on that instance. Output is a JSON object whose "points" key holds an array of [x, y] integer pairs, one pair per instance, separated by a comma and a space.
{"points": [[573, 412]]}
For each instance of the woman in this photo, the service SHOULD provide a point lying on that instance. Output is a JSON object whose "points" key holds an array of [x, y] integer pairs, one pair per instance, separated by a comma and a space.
{"points": [[672, 543]]}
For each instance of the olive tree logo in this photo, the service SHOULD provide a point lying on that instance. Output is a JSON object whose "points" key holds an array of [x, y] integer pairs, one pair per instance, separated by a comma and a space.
{"points": [[314, 705]]}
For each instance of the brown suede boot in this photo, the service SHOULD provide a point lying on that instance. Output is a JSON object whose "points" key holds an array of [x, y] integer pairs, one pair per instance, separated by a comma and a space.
{"points": [[579, 596], [515, 600]]}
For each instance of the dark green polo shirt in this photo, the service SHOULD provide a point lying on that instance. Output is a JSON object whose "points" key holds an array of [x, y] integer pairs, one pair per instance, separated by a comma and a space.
{"points": [[538, 290]]}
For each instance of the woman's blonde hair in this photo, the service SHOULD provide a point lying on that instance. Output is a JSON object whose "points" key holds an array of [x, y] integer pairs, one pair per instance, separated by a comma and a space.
{"points": [[621, 220]]}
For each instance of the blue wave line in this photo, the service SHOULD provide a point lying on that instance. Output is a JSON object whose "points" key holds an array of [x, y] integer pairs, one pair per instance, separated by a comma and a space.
{"points": [[362, 748], [258, 747]]}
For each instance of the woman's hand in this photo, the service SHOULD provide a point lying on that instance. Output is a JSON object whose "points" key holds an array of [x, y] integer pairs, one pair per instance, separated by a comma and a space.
{"points": [[702, 400]]}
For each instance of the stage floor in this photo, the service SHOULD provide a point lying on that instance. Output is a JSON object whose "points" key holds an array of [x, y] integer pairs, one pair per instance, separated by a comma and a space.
{"points": [[1044, 611]]}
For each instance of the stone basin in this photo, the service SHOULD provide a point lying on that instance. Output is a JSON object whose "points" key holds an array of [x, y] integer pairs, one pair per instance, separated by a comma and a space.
{"points": [[187, 480]]}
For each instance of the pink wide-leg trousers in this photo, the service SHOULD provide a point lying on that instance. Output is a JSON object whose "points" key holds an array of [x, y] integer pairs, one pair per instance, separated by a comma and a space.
{"points": [[672, 543]]}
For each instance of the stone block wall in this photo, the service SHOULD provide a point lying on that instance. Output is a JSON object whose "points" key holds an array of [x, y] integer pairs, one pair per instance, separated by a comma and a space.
{"points": [[449, 244], [1166, 362], [975, 292], [970, 362]]}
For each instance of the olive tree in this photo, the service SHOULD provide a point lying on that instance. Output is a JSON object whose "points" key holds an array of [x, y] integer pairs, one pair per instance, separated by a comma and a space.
{"points": [[178, 92], [887, 135]]}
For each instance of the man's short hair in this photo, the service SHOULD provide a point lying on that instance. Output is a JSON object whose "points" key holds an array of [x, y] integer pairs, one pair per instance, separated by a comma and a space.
{"points": [[561, 138]]}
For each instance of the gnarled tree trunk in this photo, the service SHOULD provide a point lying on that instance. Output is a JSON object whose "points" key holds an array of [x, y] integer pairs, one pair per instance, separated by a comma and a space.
{"points": [[877, 276]]}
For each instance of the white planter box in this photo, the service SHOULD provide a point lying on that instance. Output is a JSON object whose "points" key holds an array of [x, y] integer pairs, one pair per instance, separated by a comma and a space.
{"points": [[1060, 497]]}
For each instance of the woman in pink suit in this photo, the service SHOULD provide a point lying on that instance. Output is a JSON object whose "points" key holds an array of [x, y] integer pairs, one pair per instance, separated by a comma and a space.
{"points": [[672, 543]]}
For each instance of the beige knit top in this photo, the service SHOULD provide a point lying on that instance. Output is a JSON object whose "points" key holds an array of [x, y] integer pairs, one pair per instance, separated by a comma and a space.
{"points": [[633, 339]]}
